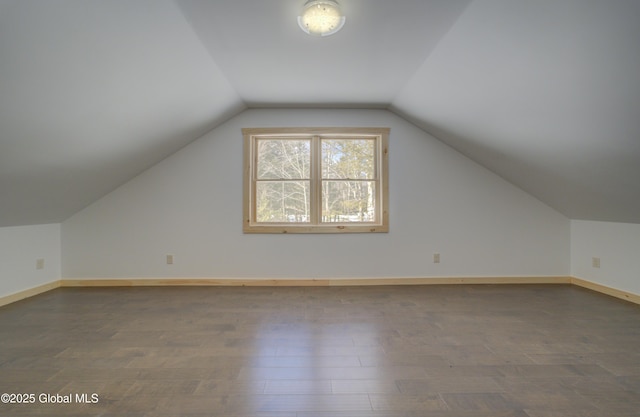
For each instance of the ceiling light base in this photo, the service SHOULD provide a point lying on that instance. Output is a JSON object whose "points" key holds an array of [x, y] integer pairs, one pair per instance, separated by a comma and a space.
{"points": [[321, 17]]}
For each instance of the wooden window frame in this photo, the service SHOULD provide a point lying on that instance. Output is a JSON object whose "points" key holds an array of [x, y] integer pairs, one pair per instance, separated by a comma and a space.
{"points": [[381, 137]]}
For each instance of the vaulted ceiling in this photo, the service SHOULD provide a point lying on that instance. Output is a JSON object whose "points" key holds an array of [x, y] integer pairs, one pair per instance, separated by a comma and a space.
{"points": [[545, 93]]}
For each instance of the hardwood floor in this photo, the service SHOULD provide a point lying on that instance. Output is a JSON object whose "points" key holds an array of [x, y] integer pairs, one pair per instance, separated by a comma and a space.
{"points": [[405, 351]]}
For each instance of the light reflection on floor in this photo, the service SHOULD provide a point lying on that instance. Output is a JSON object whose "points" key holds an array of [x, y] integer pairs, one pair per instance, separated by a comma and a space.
{"points": [[317, 365]]}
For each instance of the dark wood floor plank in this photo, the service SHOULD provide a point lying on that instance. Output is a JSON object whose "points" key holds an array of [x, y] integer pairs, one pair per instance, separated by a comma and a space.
{"points": [[441, 351]]}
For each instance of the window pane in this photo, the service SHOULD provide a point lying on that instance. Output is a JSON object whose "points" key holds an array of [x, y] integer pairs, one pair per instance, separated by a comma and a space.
{"points": [[282, 202], [348, 159], [283, 159], [348, 201]]}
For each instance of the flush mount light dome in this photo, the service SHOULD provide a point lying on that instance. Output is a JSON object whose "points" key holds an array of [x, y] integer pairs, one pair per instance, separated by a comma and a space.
{"points": [[321, 17]]}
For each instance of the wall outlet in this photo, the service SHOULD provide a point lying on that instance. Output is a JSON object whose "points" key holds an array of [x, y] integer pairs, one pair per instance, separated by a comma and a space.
{"points": [[169, 259], [595, 262], [40, 263], [436, 258]]}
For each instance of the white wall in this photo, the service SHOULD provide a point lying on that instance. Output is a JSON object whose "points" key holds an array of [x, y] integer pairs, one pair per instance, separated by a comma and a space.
{"points": [[190, 205], [20, 248], [618, 247]]}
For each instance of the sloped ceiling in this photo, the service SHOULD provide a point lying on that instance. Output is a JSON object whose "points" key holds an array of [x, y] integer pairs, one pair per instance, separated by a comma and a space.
{"points": [[92, 93], [545, 93]]}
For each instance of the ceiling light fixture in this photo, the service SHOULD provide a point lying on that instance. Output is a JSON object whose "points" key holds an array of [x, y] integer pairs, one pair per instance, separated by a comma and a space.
{"points": [[321, 17]]}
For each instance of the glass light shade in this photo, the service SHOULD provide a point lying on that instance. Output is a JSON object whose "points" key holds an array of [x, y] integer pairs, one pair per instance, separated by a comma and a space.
{"points": [[321, 17]]}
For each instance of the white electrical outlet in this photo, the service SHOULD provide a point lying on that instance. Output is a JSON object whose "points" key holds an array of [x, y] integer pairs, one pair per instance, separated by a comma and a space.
{"points": [[595, 262], [169, 259], [40, 263], [436, 258]]}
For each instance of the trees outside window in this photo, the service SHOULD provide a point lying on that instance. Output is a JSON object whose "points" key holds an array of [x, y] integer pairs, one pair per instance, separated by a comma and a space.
{"points": [[327, 180]]}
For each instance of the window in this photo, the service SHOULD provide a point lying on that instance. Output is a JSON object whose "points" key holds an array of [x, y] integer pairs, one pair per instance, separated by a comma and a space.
{"points": [[315, 180]]}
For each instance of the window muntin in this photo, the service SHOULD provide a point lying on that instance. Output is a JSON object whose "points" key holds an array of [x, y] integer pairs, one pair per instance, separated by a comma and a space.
{"points": [[315, 180]]}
